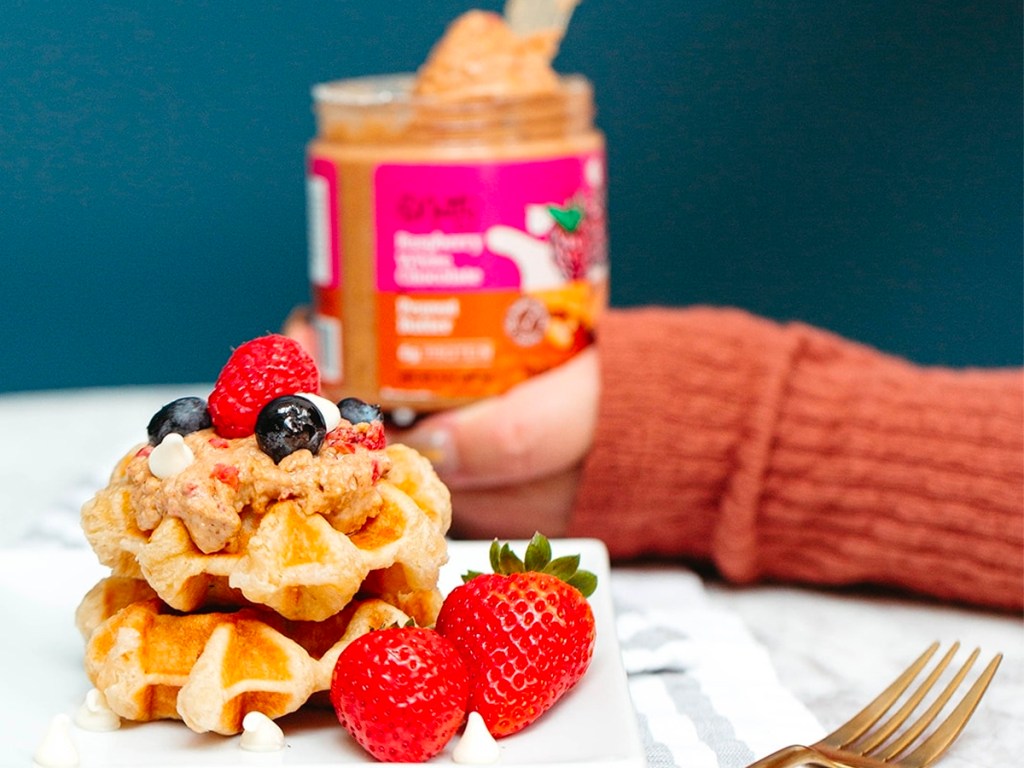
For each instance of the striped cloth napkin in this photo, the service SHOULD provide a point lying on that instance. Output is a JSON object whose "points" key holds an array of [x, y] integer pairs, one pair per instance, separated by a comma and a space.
{"points": [[704, 689]]}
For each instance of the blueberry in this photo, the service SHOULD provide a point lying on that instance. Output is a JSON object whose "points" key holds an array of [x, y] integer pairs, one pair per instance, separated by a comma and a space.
{"points": [[184, 416], [355, 411], [288, 424]]}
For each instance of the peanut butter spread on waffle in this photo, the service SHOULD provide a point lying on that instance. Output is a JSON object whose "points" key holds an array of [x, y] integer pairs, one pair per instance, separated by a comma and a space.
{"points": [[230, 480]]}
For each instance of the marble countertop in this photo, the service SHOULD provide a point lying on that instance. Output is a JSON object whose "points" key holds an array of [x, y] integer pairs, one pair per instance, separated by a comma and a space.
{"points": [[837, 651], [832, 650]]}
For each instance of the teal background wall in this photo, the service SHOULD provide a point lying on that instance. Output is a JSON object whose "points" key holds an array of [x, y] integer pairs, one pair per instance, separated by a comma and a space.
{"points": [[856, 165]]}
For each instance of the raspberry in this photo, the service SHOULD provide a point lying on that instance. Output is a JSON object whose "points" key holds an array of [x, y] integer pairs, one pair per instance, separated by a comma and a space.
{"points": [[256, 373]]}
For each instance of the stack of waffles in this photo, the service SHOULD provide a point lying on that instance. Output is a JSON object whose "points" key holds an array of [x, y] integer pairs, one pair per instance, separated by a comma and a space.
{"points": [[244, 602]]}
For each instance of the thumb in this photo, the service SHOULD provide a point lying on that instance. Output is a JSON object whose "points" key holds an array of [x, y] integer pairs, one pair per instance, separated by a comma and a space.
{"points": [[539, 427]]}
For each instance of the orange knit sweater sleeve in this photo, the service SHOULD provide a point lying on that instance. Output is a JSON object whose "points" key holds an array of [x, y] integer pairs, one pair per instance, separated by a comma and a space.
{"points": [[784, 452]]}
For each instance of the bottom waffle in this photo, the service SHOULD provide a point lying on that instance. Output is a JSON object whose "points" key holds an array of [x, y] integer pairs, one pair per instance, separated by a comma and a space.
{"points": [[210, 669]]}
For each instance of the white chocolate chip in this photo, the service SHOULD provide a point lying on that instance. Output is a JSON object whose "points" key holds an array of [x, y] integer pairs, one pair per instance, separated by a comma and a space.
{"points": [[170, 457], [329, 410], [57, 749], [260, 734], [477, 746], [95, 714]]}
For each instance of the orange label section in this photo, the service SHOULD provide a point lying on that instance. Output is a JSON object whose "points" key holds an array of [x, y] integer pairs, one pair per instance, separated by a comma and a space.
{"points": [[478, 344]]}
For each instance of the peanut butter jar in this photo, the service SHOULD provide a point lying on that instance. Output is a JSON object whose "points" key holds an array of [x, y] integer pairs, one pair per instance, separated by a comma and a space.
{"points": [[457, 245]]}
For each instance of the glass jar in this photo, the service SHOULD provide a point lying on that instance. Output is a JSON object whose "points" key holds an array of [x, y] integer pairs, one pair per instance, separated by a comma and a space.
{"points": [[457, 247]]}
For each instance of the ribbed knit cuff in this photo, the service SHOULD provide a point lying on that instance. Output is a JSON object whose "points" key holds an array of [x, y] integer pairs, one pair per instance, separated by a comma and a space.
{"points": [[790, 453], [889, 473], [686, 396]]}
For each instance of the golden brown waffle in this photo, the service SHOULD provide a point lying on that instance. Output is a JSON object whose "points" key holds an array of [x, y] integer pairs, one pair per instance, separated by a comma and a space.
{"points": [[211, 669], [281, 553], [108, 597]]}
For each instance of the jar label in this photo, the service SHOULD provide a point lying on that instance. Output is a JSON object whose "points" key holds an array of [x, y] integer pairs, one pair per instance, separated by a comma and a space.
{"points": [[486, 273]]}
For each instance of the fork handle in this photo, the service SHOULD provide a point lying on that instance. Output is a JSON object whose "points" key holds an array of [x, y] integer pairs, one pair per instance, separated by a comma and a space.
{"points": [[787, 757]]}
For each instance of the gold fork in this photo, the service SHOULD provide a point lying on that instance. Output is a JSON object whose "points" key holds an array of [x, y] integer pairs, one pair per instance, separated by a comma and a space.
{"points": [[864, 742]]}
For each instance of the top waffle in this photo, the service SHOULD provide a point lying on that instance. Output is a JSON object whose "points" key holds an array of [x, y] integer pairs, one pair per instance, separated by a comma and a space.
{"points": [[302, 536]]}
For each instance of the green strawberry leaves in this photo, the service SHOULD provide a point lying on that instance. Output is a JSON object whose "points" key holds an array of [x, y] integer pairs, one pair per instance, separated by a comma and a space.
{"points": [[538, 554], [567, 218], [539, 558], [584, 581]]}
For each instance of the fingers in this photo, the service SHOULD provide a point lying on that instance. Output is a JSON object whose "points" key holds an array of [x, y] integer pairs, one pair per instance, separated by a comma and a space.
{"points": [[298, 327], [541, 427], [516, 511]]}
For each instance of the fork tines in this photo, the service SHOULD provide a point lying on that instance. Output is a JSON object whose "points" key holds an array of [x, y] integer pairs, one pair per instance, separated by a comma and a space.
{"points": [[894, 740]]}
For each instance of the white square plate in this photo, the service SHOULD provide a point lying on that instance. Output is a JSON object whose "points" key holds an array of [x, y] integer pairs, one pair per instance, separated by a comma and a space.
{"points": [[41, 675]]}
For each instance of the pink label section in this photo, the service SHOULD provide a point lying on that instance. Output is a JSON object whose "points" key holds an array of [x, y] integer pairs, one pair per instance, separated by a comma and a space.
{"points": [[474, 226]]}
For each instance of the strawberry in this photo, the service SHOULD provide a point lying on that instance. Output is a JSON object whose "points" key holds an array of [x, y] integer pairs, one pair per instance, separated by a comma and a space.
{"points": [[526, 632], [572, 252], [571, 239], [256, 373], [401, 692]]}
